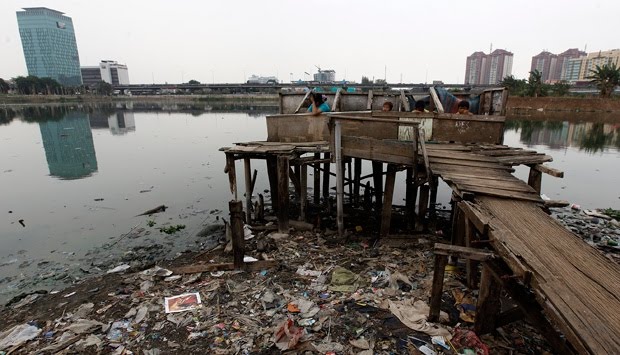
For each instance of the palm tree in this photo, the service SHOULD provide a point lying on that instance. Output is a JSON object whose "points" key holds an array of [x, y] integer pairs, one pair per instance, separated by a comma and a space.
{"points": [[535, 86], [606, 78]]}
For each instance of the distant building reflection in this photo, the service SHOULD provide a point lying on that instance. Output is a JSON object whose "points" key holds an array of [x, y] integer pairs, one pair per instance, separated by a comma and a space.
{"points": [[589, 136], [69, 146], [119, 122]]}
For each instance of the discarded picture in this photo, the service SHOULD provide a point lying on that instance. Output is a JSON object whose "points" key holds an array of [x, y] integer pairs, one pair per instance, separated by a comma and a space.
{"points": [[181, 303]]}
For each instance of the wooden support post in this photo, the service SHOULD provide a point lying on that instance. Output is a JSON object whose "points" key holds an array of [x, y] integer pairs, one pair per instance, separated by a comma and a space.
{"points": [[367, 197], [304, 192], [339, 177], [272, 173], [236, 225], [317, 180], [254, 175], [283, 196], [471, 266], [260, 213], [302, 101], [423, 207], [232, 174], [357, 166], [488, 306], [377, 176], [386, 213], [248, 190], [433, 199], [438, 274], [535, 179], [369, 102], [351, 182], [458, 229], [326, 176], [294, 176]]}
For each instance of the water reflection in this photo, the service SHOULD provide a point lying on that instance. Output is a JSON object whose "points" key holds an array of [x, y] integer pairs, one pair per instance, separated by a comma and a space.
{"points": [[591, 137], [69, 146]]}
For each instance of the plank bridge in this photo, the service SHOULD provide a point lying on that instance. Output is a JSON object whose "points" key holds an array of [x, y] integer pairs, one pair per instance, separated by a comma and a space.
{"points": [[556, 281]]}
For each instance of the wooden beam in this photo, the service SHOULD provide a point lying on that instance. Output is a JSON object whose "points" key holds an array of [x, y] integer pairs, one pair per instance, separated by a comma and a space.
{"points": [[302, 101], [549, 170], [404, 101], [336, 104], [463, 252], [423, 206], [535, 179], [471, 266], [429, 172], [248, 190], [386, 213], [488, 306], [369, 102], [339, 178], [480, 222], [283, 195], [304, 192], [272, 174], [438, 273], [317, 180], [357, 166], [232, 174], [436, 100], [326, 176], [236, 225]]}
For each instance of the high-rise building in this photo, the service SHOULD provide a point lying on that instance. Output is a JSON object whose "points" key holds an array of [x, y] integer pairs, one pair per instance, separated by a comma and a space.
{"points": [[545, 62], [488, 69], [579, 66], [48, 41], [325, 76], [109, 71], [563, 62]]}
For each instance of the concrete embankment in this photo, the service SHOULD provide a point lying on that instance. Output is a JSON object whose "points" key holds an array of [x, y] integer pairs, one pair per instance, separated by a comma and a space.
{"points": [[562, 107], [256, 99]]}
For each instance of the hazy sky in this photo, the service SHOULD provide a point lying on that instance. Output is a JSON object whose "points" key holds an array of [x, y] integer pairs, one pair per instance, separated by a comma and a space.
{"points": [[227, 41]]}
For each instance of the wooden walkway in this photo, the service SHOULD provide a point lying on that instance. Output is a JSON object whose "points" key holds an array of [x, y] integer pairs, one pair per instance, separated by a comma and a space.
{"points": [[577, 288]]}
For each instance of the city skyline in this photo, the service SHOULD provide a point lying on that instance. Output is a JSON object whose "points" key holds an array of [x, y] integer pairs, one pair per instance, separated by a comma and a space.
{"points": [[228, 42]]}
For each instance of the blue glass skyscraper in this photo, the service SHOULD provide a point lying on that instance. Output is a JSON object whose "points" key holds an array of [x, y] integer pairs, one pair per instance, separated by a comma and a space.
{"points": [[50, 49]]}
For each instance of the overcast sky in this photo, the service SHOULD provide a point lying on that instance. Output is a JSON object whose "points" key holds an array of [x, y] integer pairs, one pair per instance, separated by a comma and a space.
{"points": [[227, 41]]}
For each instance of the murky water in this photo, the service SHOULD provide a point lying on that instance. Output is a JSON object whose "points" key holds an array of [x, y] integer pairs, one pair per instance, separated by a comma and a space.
{"points": [[73, 179]]}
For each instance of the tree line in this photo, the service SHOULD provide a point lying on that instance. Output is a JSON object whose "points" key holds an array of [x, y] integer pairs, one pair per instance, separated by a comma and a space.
{"points": [[33, 85], [606, 78]]}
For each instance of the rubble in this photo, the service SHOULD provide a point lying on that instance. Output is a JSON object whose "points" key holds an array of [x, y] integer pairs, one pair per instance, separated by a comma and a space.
{"points": [[321, 298]]}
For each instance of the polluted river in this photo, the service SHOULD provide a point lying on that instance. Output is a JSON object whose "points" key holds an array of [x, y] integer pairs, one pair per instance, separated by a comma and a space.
{"points": [[75, 180]]}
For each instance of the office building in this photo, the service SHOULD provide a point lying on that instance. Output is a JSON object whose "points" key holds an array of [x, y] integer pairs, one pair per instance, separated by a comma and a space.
{"points": [[563, 62], [109, 71], [551, 66], [578, 65], [50, 48], [488, 69], [325, 76]]}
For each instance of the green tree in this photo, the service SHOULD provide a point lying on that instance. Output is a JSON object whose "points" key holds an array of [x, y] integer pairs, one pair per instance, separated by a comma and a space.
{"points": [[515, 86], [606, 78], [561, 88], [49, 85], [380, 82], [366, 81], [4, 86], [194, 82], [103, 88], [535, 86]]}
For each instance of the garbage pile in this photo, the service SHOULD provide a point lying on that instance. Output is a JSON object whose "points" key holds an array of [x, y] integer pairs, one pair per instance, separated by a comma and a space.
{"points": [[599, 228], [346, 298]]}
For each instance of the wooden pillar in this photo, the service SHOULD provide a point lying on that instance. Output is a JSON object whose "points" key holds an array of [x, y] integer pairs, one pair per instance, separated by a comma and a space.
{"points": [[386, 213], [458, 229], [471, 266], [357, 166], [423, 206], [304, 192], [326, 176], [317, 180], [438, 274], [236, 225], [232, 174], [248, 190], [535, 179], [283, 195], [339, 177], [272, 173], [433, 198], [377, 176], [488, 306], [367, 197], [350, 175]]}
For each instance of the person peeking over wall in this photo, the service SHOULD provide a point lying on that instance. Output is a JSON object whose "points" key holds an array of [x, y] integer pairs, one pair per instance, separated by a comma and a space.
{"points": [[463, 108], [318, 104], [387, 106]]}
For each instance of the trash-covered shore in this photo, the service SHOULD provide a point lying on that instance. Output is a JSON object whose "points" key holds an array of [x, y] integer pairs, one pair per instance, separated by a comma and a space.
{"points": [[324, 296]]}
